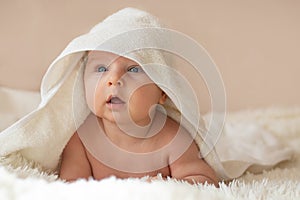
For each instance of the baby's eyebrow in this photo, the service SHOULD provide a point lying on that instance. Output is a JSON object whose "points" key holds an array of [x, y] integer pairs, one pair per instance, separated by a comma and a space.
{"points": [[93, 61]]}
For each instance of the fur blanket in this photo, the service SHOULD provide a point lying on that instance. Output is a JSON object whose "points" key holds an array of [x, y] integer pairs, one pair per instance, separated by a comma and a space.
{"points": [[281, 182]]}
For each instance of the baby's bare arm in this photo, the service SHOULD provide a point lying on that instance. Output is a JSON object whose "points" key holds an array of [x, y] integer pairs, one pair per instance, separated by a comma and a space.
{"points": [[74, 164], [192, 168]]}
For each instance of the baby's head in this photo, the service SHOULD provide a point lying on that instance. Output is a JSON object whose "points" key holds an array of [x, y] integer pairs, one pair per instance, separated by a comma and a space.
{"points": [[117, 48], [142, 41], [118, 89]]}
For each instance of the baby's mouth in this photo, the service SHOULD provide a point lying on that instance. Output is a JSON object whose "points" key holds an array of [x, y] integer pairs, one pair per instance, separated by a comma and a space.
{"points": [[114, 100]]}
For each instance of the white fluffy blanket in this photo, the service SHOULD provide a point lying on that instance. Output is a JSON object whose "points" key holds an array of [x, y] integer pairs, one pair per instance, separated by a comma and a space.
{"points": [[281, 182]]}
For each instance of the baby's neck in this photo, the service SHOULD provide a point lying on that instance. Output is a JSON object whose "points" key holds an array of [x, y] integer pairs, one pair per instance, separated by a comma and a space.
{"points": [[131, 134]]}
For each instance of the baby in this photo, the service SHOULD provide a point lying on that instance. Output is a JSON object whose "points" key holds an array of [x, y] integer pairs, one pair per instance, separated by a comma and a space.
{"points": [[127, 135]]}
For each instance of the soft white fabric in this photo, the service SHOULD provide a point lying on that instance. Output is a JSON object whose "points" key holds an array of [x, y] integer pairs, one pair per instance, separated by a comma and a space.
{"points": [[283, 182], [41, 136], [16, 103], [249, 145]]}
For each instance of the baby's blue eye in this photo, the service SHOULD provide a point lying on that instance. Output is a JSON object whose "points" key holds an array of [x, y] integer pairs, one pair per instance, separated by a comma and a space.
{"points": [[101, 69], [135, 69]]}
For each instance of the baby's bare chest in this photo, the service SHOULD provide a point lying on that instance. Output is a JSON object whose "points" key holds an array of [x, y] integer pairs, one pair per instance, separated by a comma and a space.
{"points": [[129, 167]]}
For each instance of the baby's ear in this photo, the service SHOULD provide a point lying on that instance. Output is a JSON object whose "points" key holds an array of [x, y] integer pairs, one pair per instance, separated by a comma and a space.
{"points": [[163, 98]]}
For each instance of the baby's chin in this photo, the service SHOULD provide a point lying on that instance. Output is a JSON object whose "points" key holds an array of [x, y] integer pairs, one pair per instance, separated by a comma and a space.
{"points": [[123, 118]]}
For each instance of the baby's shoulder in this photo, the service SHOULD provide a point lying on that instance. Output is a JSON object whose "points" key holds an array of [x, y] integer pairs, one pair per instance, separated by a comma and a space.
{"points": [[173, 128], [74, 141], [177, 140]]}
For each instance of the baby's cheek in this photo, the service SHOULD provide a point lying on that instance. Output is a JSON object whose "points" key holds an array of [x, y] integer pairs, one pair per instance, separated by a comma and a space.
{"points": [[89, 101], [91, 94], [139, 106]]}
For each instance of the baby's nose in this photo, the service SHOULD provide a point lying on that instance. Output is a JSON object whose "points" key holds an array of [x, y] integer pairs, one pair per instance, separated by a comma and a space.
{"points": [[115, 78]]}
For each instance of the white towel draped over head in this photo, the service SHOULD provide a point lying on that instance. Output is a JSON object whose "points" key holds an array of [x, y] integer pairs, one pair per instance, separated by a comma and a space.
{"points": [[42, 135]]}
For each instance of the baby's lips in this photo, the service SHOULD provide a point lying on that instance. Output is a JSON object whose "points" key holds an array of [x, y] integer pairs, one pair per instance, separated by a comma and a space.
{"points": [[108, 98], [114, 99]]}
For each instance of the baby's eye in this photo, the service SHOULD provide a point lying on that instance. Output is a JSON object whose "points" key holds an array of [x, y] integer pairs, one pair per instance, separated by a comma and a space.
{"points": [[135, 69], [101, 68]]}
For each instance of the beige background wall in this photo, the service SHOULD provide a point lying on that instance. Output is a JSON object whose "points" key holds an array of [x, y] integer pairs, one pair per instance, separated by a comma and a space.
{"points": [[255, 43]]}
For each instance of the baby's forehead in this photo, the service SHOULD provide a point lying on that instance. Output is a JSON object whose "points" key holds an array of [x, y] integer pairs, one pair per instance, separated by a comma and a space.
{"points": [[107, 57], [100, 54]]}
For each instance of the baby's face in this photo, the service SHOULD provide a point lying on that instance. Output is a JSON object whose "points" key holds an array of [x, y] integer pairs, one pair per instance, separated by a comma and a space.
{"points": [[117, 89]]}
